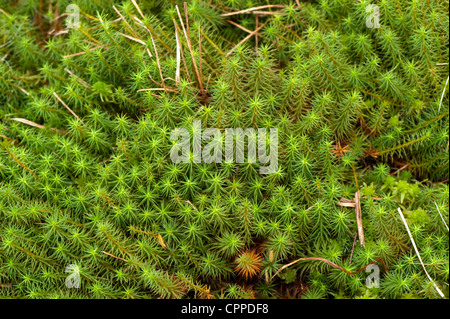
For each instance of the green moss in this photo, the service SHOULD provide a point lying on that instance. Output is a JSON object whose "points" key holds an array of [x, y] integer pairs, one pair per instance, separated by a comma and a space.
{"points": [[86, 176]]}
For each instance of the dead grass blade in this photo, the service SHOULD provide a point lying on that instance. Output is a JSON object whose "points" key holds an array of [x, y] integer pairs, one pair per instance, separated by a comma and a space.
{"points": [[188, 41], [177, 72], [443, 93], [157, 60], [68, 108], [131, 38], [137, 7], [441, 216], [27, 122], [417, 253], [181, 52], [254, 9]]}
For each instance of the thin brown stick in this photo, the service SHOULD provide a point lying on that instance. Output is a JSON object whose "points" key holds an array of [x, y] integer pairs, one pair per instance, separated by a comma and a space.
{"points": [[106, 253], [152, 32], [331, 264], [21, 164], [254, 9], [177, 72], [89, 36], [245, 39], [131, 38], [182, 53], [157, 60], [157, 83], [84, 52], [353, 247], [359, 218], [28, 122], [68, 108], [256, 35], [435, 183], [188, 40], [8, 138], [188, 30], [400, 169], [125, 21], [404, 145], [159, 89], [200, 53], [55, 34], [346, 204], [267, 13], [239, 26]]}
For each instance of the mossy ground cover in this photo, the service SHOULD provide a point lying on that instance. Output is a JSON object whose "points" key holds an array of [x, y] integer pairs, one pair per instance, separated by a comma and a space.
{"points": [[86, 177]]}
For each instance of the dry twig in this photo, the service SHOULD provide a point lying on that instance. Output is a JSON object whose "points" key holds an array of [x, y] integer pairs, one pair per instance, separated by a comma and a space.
{"points": [[359, 218]]}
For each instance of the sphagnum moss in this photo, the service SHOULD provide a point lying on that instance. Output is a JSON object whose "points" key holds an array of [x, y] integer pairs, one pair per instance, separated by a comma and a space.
{"points": [[86, 177]]}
